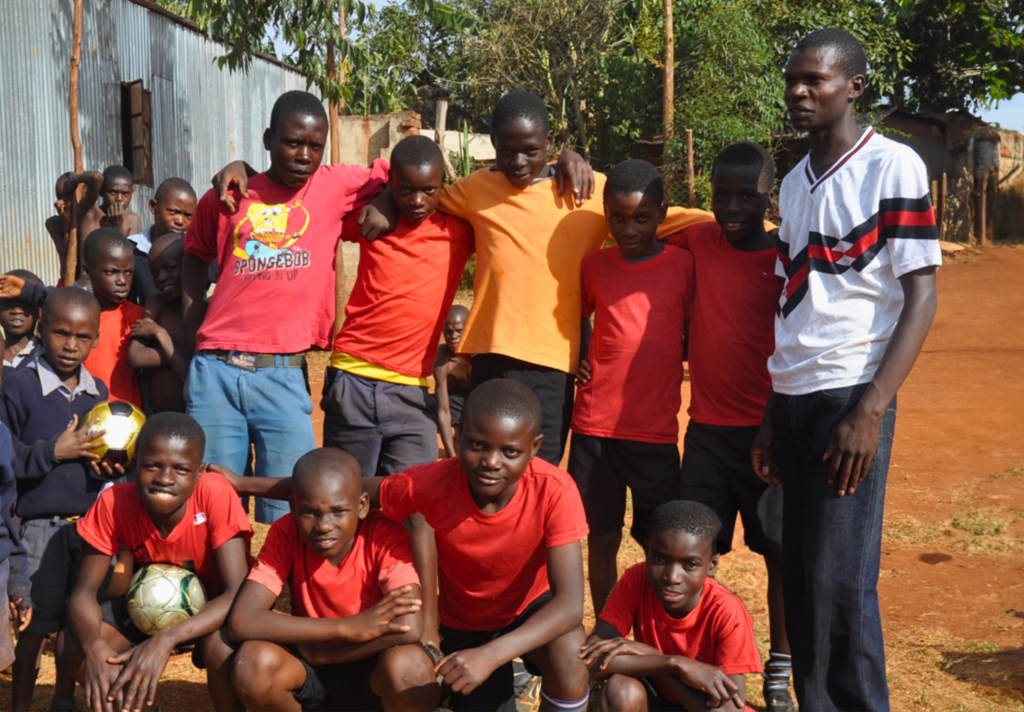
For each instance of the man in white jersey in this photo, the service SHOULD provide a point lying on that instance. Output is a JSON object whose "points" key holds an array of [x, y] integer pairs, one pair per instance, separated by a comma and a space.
{"points": [[858, 250]]}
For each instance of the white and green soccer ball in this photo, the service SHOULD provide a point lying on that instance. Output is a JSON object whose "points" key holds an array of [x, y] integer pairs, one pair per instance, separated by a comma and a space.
{"points": [[161, 595]]}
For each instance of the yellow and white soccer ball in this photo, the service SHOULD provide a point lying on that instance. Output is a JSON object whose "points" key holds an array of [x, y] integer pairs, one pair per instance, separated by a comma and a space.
{"points": [[122, 422], [161, 595]]}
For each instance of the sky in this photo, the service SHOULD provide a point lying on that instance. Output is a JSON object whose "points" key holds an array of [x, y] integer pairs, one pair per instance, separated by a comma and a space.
{"points": [[1009, 115]]}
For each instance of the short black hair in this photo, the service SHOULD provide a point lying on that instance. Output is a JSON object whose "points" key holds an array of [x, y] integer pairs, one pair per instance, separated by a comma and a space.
{"points": [[173, 426], [519, 105], [25, 275], [103, 239], [504, 398], [683, 515], [747, 154], [635, 176], [325, 462], [73, 297], [178, 185], [849, 52], [117, 171], [419, 152], [296, 102]]}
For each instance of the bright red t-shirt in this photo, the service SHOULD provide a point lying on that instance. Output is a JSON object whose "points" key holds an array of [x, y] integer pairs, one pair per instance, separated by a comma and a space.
{"points": [[732, 328], [379, 561], [213, 515], [636, 352], [109, 360], [490, 566], [276, 256], [403, 291], [719, 631]]}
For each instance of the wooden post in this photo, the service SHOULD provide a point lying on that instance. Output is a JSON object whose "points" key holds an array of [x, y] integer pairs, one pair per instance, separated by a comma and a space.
{"points": [[340, 297], [940, 206], [71, 252], [689, 168], [440, 121], [980, 189], [668, 97], [332, 109]]}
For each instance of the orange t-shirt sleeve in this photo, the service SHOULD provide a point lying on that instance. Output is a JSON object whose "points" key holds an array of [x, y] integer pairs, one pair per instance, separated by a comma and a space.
{"points": [[274, 566], [679, 219], [98, 528], [735, 649], [454, 199], [622, 606], [224, 511], [566, 521], [394, 556]]}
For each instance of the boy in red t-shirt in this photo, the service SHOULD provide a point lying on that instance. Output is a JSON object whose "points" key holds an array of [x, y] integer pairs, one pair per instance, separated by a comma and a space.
{"points": [[351, 642], [732, 334], [625, 421], [174, 513], [692, 639], [509, 557]]}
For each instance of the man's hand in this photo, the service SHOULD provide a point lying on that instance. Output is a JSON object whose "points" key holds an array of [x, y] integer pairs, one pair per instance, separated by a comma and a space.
{"points": [[234, 174], [141, 668], [11, 286], [19, 613], [583, 372], [710, 680], [98, 677], [466, 670], [762, 455], [380, 619], [597, 656], [574, 173], [850, 450], [75, 443]]}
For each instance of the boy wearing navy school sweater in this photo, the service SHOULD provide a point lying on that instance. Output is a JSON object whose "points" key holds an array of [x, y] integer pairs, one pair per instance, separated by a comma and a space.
{"points": [[42, 406], [13, 577]]}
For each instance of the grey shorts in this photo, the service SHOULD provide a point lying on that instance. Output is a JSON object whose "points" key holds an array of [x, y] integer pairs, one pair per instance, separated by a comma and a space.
{"points": [[6, 646], [54, 555]]}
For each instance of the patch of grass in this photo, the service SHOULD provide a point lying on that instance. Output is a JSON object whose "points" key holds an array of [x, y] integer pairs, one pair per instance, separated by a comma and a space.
{"points": [[909, 531], [977, 523]]}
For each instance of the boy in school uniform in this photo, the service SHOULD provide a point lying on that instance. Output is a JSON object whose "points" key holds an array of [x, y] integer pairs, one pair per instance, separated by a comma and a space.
{"points": [[509, 557], [692, 639], [18, 319], [731, 337], [58, 225], [351, 642], [625, 422], [858, 250], [158, 345], [13, 561], [274, 241], [176, 513], [172, 208], [42, 407], [453, 378]]}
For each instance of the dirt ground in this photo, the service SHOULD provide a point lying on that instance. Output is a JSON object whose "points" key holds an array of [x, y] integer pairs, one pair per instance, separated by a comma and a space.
{"points": [[952, 587]]}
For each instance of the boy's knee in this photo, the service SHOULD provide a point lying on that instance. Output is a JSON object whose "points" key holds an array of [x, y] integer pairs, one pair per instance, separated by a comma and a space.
{"points": [[254, 666], [402, 666], [622, 693], [565, 676]]}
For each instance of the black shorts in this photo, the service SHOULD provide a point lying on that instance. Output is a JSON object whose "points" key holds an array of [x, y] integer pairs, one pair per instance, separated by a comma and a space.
{"points": [[554, 388], [497, 694], [456, 403], [657, 702], [115, 614], [604, 467], [339, 687], [717, 472]]}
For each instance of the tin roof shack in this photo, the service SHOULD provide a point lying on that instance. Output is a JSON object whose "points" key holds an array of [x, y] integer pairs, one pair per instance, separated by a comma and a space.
{"points": [[150, 97]]}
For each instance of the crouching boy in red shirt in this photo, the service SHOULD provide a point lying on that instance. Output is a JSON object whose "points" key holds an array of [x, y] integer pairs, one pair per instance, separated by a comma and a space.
{"points": [[693, 640], [351, 642], [174, 513]]}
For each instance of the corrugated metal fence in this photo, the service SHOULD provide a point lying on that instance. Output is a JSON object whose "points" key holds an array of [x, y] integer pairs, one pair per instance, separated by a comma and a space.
{"points": [[202, 117]]}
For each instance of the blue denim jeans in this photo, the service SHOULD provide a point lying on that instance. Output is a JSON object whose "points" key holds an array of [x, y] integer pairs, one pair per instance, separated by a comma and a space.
{"points": [[831, 556], [269, 409]]}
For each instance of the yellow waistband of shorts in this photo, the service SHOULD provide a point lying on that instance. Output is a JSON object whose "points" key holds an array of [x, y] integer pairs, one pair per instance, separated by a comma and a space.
{"points": [[365, 369]]}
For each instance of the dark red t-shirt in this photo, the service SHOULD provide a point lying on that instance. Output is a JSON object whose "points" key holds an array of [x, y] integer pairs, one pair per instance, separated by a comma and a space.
{"points": [[276, 259], [636, 353], [213, 515], [379, 561], [732, 328], [403, 291], [490, 566], [719, 631]]}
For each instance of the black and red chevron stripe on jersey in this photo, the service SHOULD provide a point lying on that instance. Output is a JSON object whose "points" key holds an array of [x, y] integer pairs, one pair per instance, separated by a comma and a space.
{"points": [[897, 218]]}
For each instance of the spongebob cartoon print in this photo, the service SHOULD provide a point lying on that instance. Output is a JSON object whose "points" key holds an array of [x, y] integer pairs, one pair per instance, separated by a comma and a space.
{"points": [[267, 241]]}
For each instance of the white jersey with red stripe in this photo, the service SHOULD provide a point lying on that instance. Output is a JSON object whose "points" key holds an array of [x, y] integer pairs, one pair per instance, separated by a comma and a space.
{"points": [[846, 239]]}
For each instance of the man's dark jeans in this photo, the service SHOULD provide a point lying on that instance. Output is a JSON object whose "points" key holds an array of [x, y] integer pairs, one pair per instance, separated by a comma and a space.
{"points": [[831, 556]]}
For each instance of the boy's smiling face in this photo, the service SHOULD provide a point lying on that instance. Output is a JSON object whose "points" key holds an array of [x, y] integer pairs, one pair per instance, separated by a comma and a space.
{"points": [[166, 472], [633, 220], [677, 564], [173, 213], [111, 276], [521, 151], [327, 508], [494, 452], [739, 201], [416, 190], [68, 332], [818, 93]]}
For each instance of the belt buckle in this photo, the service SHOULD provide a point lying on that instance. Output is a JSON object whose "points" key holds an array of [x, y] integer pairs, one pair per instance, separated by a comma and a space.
{"points": [[243, 359]]}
